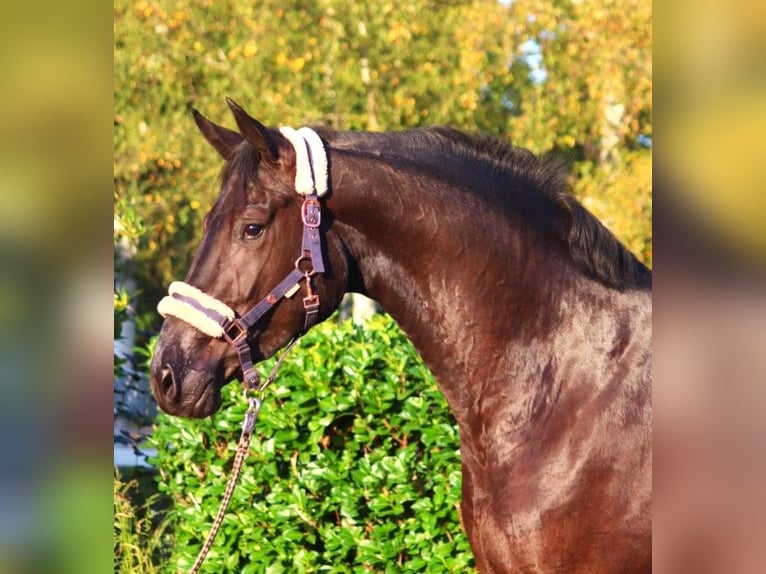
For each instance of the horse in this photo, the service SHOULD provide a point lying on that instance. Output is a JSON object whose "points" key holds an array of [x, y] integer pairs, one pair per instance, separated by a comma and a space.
{"points": [[534, 319]]}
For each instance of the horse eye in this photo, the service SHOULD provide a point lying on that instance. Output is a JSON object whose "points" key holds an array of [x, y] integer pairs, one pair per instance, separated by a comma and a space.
{"points": [[251, 230]]}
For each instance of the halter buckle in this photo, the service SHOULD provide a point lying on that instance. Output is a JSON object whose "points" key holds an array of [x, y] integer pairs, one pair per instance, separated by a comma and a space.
{"points": [[233, 331], [311, 212], [311, 300], [311, 303]]}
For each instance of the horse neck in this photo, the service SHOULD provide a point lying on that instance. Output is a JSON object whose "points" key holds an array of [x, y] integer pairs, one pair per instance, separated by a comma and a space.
{"points": [[463, 284]]}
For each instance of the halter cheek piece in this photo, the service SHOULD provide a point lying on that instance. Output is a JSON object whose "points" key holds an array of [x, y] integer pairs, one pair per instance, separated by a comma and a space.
{"points": [[216, 319]]}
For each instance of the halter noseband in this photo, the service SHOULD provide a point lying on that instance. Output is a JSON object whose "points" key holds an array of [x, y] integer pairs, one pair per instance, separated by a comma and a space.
{"points": [[216, 319]]}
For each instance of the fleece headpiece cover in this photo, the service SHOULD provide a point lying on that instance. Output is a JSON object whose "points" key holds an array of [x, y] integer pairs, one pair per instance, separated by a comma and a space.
{"points": [[310, 160]]}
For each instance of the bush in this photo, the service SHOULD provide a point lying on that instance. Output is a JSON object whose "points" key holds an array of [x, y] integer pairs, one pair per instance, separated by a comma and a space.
{"points": [[354, 466]]}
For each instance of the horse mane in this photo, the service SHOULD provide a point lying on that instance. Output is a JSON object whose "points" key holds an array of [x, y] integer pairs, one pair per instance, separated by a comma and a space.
{"points": [[591, 245]]}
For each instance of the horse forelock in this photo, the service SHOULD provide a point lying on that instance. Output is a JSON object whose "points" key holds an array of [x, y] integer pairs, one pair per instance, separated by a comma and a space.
{"points": [[237, 179]]}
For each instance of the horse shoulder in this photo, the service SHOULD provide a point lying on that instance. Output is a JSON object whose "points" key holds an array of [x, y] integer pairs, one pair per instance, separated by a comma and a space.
{"points": [[557, 463]]}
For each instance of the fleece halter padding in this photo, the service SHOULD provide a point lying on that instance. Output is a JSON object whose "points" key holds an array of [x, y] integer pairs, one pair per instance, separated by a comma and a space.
{"points": [[310, 160], [196, 308], [208, 314]]}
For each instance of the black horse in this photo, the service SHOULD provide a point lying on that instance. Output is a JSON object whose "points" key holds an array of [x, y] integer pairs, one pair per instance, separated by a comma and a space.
{"points": [[534, 319]]}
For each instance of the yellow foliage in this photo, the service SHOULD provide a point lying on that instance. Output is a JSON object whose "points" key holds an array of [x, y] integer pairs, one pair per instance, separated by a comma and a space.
{"points": [[250, 49], [621, 197], [456, 63], [297, 64]]}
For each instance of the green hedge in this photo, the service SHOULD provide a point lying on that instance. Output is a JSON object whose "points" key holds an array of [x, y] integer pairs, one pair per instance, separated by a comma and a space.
{"points": [[354, 466]]}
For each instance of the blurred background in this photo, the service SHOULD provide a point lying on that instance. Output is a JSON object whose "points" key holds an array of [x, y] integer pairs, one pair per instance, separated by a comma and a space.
{"points": [[710, 309], [55, 278], [572, 78]]}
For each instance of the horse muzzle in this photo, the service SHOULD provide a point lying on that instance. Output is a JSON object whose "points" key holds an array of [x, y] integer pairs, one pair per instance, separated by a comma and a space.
{"points": [[185, 388]]}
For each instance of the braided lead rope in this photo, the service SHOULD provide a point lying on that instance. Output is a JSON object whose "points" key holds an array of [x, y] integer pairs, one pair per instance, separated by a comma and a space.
{"points": [[244, 442], [248, 427]]}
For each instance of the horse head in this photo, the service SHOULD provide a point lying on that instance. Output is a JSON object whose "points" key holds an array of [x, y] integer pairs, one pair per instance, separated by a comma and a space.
{"points": [[254, 241]]}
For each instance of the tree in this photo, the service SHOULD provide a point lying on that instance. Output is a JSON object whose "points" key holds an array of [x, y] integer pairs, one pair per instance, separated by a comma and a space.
{"points": [[594, 105], [378, 65]]}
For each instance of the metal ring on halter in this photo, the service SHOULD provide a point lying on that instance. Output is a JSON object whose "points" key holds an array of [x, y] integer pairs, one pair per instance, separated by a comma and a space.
{"points": [[305, 258]]}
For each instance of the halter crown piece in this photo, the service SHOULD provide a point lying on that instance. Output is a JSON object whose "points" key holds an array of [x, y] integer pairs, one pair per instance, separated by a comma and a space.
{"points": [[216, 319]]}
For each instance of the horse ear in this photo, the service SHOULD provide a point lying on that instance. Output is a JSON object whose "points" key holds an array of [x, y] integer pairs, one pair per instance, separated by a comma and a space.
{"points": [[264, 140], [222, 139]]}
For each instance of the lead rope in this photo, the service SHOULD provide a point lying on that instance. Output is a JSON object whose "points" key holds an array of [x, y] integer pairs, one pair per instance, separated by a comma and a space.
{"points": [[255, 395]]}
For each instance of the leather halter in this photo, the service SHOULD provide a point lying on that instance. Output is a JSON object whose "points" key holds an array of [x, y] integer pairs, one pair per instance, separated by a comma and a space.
{"points": [[236, 331], [218, 320]]}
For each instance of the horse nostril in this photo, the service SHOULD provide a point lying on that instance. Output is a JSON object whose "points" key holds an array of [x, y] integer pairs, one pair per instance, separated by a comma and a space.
{"points": [[167, 381]]}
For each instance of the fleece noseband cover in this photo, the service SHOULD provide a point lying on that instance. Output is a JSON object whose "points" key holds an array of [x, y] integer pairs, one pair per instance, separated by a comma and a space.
{"points": [[196, 308]]}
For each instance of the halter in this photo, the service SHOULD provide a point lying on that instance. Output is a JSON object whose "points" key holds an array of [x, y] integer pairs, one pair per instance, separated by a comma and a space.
{"points": [[216, 319]]}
